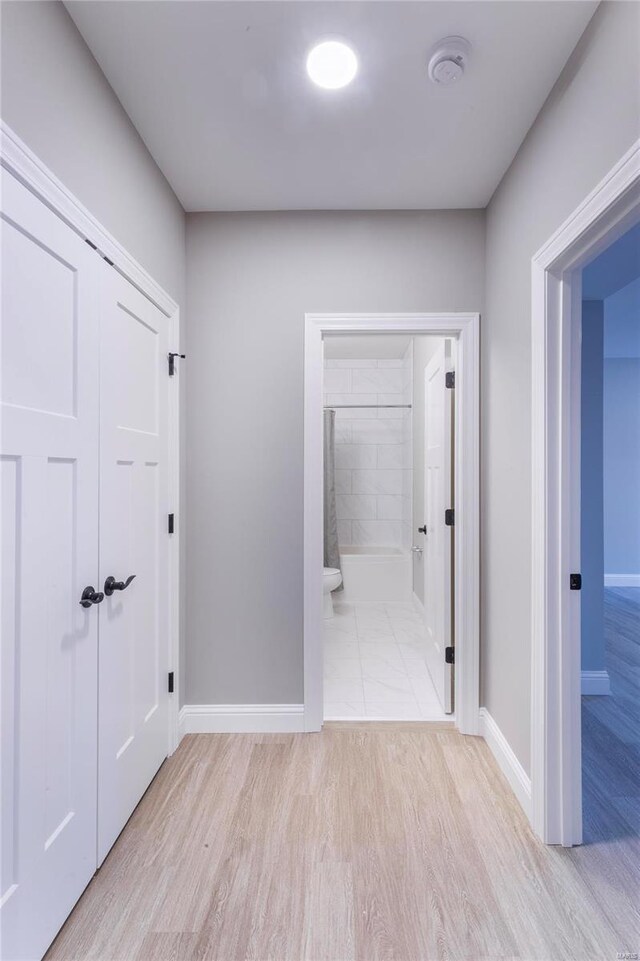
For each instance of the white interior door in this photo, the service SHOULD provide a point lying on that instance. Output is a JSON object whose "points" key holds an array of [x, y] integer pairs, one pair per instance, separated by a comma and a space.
{"points": [[438, 497], [49, 488], [133, 653]]}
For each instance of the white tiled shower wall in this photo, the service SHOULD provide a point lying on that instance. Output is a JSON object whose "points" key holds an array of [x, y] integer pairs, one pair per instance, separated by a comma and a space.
{"points": [[373, 450]]}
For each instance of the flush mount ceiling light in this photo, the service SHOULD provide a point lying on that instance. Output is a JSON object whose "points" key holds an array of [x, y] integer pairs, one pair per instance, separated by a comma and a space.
{"points": [[332, 65], [448, 60]]}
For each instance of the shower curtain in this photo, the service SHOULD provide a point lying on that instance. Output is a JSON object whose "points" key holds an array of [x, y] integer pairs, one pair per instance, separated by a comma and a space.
{"points": [[331, 548]]}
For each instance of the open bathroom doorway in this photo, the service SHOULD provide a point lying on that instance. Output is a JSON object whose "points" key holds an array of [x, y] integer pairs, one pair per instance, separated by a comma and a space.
{"points": [[391, 519], [388, 575]]}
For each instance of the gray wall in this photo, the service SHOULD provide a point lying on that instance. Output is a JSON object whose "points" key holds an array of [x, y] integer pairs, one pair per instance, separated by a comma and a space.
{"points": [[591, 475], [55, 97], [587, 124], [250, 279], [622, 465]]}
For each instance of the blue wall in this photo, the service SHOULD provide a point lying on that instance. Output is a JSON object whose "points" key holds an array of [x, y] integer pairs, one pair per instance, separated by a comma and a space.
{"points": [[622, 465], [622, 431], [591, 524], [622, 322]]}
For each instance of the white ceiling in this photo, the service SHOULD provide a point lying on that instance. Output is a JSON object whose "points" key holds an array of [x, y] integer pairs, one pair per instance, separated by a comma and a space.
{"points": [[218, 91]]}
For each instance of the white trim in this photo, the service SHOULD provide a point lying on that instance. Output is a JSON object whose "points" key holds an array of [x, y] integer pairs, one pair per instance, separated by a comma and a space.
{"points": [[622, 580], [466, 328], [22, 163], [595, 682], [241, 718], [176, 506], [556, 799], [507, 761]]}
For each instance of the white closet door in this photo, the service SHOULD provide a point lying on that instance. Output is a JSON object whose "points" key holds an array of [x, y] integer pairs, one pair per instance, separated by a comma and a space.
{"points": [[49, 487], [133, 655], [438, 542]]}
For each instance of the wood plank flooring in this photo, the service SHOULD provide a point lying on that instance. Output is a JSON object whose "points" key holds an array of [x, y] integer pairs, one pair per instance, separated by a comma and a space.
{"points": [[366, 842], [611, 728]]}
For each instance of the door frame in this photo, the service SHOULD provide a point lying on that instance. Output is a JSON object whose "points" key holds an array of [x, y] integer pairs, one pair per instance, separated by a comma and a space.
{"points": [[465, 328], [556, 288], [448, 365], [25, 166]]}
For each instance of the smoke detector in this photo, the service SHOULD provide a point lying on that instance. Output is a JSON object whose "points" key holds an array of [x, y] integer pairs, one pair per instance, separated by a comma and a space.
{"points": [[448, 60]]}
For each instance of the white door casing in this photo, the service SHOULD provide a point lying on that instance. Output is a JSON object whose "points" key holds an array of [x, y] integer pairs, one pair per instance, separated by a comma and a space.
{"points": [[465, 328], [134, 623], [556, 770], [49, 486], [438, 539]]}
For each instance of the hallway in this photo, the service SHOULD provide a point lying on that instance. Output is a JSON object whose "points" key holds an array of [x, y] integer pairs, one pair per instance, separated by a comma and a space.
{"points": [[363, 842]]}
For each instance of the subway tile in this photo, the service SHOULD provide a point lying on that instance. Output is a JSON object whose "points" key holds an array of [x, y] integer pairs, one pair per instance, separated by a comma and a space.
{"points": [[375, 533], [337, 381], [343, 432], [358, 456], [393, 456], [360, 413], [343, 480], [344, 532], [356, 506], [377, 481], [389, 507], [379, 381], [376, 432], [391, 413]]}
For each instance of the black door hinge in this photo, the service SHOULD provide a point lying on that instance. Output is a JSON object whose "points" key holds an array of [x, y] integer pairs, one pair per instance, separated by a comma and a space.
{"points": [[575, 582], [450, 655], [170, 523], [449, 517], [450, 379], [172, 363], [170, 682]]}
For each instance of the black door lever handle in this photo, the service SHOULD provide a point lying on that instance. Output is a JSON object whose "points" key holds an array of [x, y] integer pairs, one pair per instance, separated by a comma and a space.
{"points": [[90, 596], [111, 584]]}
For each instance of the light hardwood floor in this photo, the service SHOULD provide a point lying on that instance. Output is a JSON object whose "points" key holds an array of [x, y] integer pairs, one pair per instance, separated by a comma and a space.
{"points": [[361, 843], [611, 729]]}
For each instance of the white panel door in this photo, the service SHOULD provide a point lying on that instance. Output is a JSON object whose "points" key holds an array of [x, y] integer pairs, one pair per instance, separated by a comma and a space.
{"points": [[133, 652], [49, 535], [438, 497]]}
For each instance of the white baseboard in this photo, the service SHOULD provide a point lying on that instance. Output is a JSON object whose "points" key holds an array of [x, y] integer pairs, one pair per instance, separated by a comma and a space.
{"points": [[622, 580], [241, 718], [595, 682], [508, 763]]}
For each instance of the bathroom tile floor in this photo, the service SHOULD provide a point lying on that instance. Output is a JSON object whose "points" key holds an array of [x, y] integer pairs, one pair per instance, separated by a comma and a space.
{"points": [[374, 665]]}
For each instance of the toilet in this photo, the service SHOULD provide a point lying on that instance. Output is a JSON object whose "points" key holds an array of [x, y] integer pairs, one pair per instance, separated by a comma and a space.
{"points": [[331, 579]]}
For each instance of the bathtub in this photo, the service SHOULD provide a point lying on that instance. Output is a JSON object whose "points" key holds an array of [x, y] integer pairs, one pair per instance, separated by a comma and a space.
{"points": [[376, 574]]}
